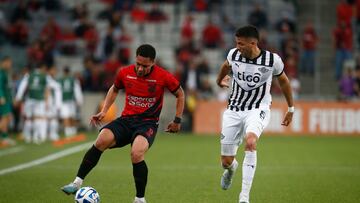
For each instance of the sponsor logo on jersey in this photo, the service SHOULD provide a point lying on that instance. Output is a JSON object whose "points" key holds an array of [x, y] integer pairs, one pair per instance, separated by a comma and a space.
{"points": [[251, 80]]}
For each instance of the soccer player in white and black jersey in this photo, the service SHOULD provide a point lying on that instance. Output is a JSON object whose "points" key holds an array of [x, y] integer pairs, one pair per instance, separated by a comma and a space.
{"points": [[248, 111]]}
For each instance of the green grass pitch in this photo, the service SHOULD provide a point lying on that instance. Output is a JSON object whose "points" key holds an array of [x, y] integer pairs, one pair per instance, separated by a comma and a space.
{"points": [[186, 169]]}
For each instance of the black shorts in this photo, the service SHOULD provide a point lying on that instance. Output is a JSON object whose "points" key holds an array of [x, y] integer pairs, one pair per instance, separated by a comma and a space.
{"points": [[125, 129]]}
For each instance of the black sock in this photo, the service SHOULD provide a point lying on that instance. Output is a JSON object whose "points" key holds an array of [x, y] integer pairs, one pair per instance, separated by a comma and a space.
{"points": [[140, 172], [89, 161]]}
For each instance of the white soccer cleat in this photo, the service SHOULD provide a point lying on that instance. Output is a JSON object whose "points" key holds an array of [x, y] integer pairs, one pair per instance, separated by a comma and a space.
{"points": [[138, 200], [226, 178]]}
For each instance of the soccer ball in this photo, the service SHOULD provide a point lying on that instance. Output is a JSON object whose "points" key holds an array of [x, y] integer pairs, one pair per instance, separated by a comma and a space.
{"points": [[87, 195]]}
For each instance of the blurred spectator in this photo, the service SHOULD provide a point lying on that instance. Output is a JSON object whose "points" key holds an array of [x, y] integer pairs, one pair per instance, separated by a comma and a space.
{"points": [[291, 66], [357, 82], [155, 14], [197, 5], [106, 44], [187, 29], [34, 5], [79, 11], [18, 33], [67, 42], [344, 12], [347, 84], [20, 12], [81, 26], [285, 24], [212, 36], [309, 43], [35, 55], [91, 39], [138, 15], [258, 17], [51, 29], [342, 36], [111, 66], [124, 44]]}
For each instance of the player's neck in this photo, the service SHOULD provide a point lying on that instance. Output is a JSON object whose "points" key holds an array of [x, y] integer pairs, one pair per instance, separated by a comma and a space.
{"points": [[255, 54]]}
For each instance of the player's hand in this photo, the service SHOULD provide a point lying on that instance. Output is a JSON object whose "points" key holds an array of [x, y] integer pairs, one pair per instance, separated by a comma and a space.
{"points": [[173, 127], [96, 119], [288, 118], [225, 82]]}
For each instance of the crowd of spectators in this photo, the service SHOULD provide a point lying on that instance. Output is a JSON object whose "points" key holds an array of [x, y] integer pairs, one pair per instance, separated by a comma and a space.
{"points": [[346, 41]]}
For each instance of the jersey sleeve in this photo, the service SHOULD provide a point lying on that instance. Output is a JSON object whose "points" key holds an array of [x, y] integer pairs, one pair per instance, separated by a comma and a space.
{"points": [[119, 80], [171, 83], [278, 65], [229, 56], [22, 87]]}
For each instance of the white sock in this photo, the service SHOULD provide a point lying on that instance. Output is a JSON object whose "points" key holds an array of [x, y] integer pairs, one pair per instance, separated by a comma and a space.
{"points": [[78, 181], [248, 172], [36, 131], [42, 129], [27, 130], [54, 125]]}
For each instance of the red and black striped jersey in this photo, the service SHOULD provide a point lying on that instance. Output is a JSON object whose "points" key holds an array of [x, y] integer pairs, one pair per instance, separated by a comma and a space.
{"points": [[144, 95]]}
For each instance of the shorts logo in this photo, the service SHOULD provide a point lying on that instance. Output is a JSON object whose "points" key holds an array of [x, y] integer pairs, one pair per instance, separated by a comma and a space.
{"points": [[222, 136], [149, 132], [262, 115]]}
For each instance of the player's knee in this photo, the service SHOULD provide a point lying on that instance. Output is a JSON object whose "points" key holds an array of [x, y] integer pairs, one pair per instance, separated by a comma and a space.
{"points": [[137, 156], [105, 140], [250, 143], [226, 161]]}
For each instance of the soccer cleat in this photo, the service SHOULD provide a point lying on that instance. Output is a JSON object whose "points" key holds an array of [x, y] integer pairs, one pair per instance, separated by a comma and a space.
{"points": [[138, 200], [70, 188], [226, 178]]}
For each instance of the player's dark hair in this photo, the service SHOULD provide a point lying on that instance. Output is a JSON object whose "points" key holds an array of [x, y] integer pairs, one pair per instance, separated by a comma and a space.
{"points": [[147, 51], [248, 31]]}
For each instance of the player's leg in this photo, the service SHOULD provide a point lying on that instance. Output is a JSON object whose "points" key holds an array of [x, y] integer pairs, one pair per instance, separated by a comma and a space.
{"points": [[255, 123], [145, 136], [230, 139], [140, 170], [105, 140], [249, 166], [40, 122], [28, 122]]}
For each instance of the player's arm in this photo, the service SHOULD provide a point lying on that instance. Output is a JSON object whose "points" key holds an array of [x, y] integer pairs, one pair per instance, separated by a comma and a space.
{"points": [[175, 125], [286, 89], [78, 93], [21, 90], [223, 78], [109, 100]]}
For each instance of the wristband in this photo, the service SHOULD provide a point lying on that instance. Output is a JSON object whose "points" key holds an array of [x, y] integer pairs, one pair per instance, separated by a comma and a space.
{"points": [[291, 109], [177, 120]]}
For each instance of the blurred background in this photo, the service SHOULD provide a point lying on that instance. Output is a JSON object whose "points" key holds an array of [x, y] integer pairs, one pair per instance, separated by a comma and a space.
{"points": [[319, 42]]}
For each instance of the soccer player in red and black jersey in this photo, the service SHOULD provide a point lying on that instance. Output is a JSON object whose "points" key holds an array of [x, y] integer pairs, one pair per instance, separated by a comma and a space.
{"points": [[144, 84]]}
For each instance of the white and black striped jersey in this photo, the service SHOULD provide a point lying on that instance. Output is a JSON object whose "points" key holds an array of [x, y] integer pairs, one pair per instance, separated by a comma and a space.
{"points": [[252, 79]]}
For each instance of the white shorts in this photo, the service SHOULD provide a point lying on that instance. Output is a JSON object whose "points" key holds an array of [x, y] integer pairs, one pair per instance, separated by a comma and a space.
{"points": [[68, 110], [34, 108], [236, 124]]}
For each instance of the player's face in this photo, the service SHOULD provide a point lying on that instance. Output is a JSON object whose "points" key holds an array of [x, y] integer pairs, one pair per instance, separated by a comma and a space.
{"points": [[245, 46], [143, 65]]}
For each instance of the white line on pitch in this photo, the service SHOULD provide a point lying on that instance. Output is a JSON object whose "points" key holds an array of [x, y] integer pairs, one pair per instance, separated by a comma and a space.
{"points": [[11, 151], [46, 159]]}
